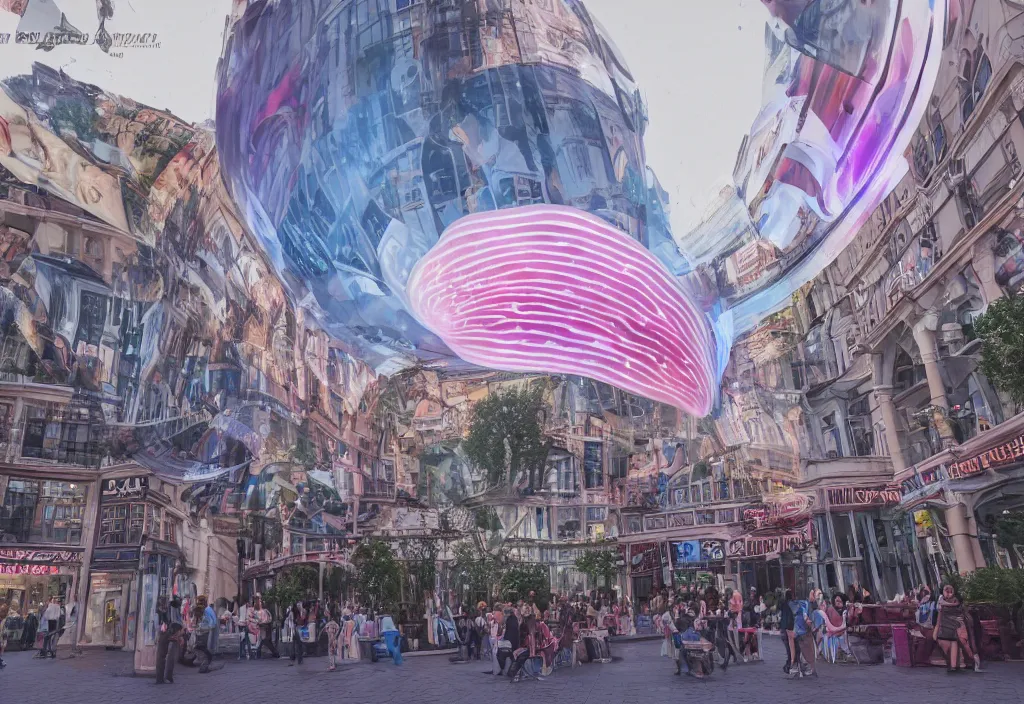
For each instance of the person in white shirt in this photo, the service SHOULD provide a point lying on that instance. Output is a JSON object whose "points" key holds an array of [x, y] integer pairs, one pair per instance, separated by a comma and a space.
{"points": [[51, 615]]}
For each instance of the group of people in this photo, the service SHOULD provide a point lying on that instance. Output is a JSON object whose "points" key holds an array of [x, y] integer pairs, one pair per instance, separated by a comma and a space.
{"points": [[512, 635], [50, 620], [701, 616]]}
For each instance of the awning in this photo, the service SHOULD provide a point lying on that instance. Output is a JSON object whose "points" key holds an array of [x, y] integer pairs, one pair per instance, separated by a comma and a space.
{"points": [[249, 425]]}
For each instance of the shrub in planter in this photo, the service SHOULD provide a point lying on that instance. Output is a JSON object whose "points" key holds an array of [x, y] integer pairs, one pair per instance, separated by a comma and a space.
{"points": [[994, 585]]}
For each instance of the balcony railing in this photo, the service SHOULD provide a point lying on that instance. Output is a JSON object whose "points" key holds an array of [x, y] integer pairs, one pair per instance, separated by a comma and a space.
{"points": [[378, 489]]}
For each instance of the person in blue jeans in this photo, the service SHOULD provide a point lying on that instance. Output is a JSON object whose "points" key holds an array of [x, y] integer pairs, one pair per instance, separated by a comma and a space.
{"points": [[803, 639]]}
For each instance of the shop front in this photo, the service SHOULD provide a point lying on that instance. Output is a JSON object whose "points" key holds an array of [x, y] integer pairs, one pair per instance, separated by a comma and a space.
{"points": [[765, 559], [28, 578], [646, 572], [698, 564], [111, 616], [159, 562]]}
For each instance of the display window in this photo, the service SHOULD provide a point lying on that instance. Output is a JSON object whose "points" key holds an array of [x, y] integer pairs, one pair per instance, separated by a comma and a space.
{"points": [[27, 594], [110, 609]]}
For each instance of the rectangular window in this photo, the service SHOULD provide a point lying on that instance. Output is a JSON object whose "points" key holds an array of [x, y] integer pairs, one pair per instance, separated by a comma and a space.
{"points": [[92, 317], [153, 521], [705, 518], [170, 531], [596, 514], [846, 536], [42, 511], [114, 525], [593, 466]]}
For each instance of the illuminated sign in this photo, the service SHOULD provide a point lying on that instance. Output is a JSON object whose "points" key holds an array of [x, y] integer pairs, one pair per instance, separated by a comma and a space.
{"points": [[999, 456], [771, 543], [127, 488], [860, 496], [779, 511], [29, 569], [644, 557], [45, 556]]}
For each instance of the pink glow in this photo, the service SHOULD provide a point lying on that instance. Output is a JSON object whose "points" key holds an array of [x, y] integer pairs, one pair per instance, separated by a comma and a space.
{"points": [[554, 289]]}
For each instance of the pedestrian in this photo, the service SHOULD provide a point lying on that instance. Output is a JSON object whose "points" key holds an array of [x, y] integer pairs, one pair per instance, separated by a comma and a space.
{"points": [[298, 618], [4, 609], [164, 640], [241, 620], [333, 630], [951, 631], [510, 639], [786, 630], [205, 621], [51, 617], [803, 639]]}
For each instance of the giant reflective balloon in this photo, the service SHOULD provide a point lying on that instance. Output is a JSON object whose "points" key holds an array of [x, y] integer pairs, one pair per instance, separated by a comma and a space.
{"points": [[466, 183]]}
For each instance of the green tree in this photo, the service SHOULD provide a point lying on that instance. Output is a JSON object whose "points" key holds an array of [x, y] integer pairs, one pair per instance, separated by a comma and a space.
{"points": [[1010, 529], [520, 579], [293, 584], [379, 575], [1001, 330], [599, 564], [506, 438], [475, 574]]}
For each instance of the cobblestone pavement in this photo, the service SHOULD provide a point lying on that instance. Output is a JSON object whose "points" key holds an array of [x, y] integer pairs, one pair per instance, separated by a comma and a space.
{"points": [[637, 676]]}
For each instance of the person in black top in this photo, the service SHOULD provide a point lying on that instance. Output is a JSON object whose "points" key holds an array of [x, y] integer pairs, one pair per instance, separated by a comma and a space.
{"points": [[786, 628], [168, 629], [512, 636]]}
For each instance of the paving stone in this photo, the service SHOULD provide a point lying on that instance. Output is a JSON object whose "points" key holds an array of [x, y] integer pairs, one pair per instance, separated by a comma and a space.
{"points": [[636, 676]]}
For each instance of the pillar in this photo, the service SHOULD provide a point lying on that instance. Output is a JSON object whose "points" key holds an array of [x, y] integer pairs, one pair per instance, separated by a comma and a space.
{"points": [[883, 394], [983, 257], [959, 535], [924, 336], [90, 522], [979, 554]]}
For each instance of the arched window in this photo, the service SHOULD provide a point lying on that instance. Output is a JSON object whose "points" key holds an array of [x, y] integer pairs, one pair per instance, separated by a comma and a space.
{"points": [[975, 77]]}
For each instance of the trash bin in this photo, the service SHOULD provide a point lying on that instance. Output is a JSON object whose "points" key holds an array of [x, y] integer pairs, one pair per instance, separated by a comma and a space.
{"points": [[366, 648], [901, 645]]}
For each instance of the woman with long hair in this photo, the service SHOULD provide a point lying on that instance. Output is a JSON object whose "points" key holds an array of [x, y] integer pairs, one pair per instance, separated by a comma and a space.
{"points": [[951, 630]]}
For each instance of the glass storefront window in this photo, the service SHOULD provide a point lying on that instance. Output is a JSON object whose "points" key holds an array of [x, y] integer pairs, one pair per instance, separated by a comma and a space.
{"points": [[110, 595], [42, 511], [846, 536]]}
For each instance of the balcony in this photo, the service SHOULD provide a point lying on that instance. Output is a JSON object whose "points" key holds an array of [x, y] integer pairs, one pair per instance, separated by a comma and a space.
{"points": [[378, 489], [847, 470]]}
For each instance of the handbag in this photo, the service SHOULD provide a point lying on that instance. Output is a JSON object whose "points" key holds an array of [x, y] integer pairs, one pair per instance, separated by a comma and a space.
{"points": [[506, 644]]}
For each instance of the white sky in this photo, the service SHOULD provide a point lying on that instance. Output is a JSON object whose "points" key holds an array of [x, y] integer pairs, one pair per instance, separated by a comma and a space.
{"points": [[698, 63]]}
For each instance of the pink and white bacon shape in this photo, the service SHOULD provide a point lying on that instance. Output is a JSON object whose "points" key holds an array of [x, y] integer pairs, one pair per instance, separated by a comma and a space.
{"points": [[557, 290]]}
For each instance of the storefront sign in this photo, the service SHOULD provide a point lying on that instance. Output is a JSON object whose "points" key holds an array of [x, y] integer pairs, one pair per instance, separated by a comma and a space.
{"points": [[779, 511], [771, 543], [30, 569], [858, 496], [644, 557], [127, 488], [40, 556], [699, 551], [999, 456]]}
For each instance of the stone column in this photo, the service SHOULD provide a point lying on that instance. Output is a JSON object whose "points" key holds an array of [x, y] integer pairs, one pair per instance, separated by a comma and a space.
{"points": [[924, 336], [883, 394], [90, 526], [979, 554], [983, 257], [959, 535]]}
